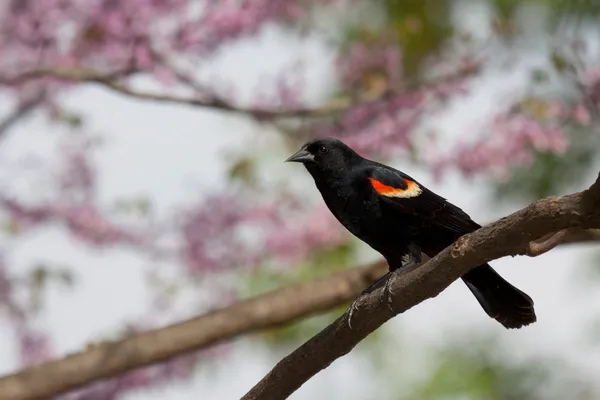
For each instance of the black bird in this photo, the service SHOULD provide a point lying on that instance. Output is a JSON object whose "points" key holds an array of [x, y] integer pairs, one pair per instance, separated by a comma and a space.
{"points": [[400, 218]]}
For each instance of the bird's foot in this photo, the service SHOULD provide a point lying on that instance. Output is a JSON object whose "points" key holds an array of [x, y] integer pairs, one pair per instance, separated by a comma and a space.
{"points": [[356, 303], [353, 307], [387, 280], [382, 296], [387, 293]]}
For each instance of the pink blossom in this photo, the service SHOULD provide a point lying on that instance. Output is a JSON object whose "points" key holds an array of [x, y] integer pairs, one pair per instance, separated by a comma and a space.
{"points": [[34, 347], [581, 114], [78, 176], [288, 93], [380, 126], [555, 110], [85, 221], [208, 235], [301, 235], [213, 238], [362, 59], [511, 142]]}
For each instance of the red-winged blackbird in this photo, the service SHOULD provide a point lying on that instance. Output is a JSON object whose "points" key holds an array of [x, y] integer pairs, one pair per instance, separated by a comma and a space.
{"points": [[400, 218]]}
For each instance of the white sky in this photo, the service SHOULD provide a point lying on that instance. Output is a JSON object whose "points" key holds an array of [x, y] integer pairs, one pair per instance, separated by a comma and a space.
{"points": [[174, 154]]}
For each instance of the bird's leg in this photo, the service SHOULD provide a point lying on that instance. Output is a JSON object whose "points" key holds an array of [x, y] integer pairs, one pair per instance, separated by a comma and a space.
{"points": [[413, 259], [354, 306], [377, 284]]}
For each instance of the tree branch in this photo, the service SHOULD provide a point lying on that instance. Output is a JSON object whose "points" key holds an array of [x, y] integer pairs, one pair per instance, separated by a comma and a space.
{"points": [[109, 359], [508, 236], [20, 111], [110, 81], [272, 309]]}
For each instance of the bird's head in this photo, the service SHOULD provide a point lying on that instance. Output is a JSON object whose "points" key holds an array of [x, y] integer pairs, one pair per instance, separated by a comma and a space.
{"points": [[324, 155]]}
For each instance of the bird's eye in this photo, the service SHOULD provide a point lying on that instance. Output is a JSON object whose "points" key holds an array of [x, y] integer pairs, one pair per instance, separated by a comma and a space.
{"points": [[323, 150]]}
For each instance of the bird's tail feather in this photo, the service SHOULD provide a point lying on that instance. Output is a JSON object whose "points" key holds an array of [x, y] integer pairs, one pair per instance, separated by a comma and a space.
{"points": [[500, 300]]}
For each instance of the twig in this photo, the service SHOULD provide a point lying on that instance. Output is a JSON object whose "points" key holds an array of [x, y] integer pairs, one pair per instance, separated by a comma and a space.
{"points": [[582, 236], [547, 243], [20, 112]]}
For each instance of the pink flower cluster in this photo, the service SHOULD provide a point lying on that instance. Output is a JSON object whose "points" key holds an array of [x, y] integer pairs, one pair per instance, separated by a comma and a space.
{"points": [[512, 141], [77, 178], [208, 232], [363, 60], [113, 35], [382, 126], [222, 21], [384, 119], [85, 221], [74, 205], [223, 232], [34, 346], [301, 234]]}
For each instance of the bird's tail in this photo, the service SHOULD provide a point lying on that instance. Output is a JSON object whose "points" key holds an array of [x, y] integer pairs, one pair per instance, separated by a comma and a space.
{"points": [[500, 300]]}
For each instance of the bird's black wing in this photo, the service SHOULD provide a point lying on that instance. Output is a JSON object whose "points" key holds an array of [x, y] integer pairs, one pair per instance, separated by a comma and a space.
{"points": [[406, 195]]}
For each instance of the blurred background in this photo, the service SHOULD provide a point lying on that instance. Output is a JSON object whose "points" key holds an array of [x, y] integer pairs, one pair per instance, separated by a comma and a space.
{"points": [[142, 181]]}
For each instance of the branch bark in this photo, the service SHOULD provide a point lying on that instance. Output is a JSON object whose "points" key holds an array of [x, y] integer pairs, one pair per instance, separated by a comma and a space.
{"points": [[211, 100], [511, 235], [272, 309]]}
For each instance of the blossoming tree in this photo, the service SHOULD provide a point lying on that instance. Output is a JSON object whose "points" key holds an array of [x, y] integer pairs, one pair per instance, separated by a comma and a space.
{"points": [[393, 74]]}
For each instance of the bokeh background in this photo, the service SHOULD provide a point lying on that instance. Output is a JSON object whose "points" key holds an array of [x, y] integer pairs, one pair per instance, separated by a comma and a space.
{"points": [[121, 212]]}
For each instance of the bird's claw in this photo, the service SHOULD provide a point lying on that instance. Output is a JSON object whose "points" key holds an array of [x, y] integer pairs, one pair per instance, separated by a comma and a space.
{"points": [[388, 292], [353, 307]]}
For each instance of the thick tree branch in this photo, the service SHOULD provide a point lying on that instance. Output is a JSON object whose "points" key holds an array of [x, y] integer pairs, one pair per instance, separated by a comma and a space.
{"points": [[113, 358], [508, 236], [275, 308]]}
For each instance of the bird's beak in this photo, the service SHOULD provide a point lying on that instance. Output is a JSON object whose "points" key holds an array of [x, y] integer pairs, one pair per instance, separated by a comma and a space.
{"points": [[301, 156]]}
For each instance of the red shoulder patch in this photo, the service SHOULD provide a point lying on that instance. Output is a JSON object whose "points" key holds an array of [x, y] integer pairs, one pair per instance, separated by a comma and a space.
{"points": [[412, 189]]}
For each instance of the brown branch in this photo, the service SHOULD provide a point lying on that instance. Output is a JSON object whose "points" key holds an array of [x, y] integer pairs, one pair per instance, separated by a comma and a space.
{"points": [[509, 236], [113, 358], [110, 81], [272, 309]]}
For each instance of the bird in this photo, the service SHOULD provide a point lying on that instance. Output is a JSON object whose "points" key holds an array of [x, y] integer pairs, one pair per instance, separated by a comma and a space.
{"points": [[401, 219]]}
